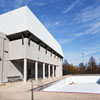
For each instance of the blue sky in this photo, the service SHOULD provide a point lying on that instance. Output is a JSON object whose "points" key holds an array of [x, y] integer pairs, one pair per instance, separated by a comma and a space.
{"points": [[75, 24]]}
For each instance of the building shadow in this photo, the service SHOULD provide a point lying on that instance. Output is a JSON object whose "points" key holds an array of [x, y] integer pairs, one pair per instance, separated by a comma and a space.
{"points": [[17, 69]]}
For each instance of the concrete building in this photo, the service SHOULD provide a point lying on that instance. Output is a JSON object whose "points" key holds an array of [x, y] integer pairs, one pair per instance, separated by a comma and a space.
{"points": [[27, 49]]}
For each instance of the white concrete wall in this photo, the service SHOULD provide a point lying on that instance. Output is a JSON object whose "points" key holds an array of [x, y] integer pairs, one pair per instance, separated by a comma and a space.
{"points": [[17, 50], [86, 79], [13, 22], [58, 84], [8, 69], [1, 56], [75, 79], [38, 29], [23, 19], [59, 70], [39, 55], [4, 54], [12, 69]]}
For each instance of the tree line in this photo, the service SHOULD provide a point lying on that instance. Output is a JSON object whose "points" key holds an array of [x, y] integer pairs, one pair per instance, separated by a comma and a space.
{"points": [[90, 68]]}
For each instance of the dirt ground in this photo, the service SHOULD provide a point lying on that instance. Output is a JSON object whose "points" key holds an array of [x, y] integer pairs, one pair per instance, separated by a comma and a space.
{"points": [[22, 91], [64, 96]]}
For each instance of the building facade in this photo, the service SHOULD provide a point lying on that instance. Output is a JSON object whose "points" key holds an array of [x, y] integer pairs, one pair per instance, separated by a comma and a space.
{"points": [[27, 49]]}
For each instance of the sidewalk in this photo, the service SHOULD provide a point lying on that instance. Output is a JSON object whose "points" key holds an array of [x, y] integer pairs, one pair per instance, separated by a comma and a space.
{"points": [[20, 90]]}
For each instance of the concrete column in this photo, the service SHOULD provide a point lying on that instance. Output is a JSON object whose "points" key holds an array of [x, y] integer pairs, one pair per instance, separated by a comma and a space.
{"points": [[53, 71], [49, 71], [36, 70], [25, 70], [43, 70]]}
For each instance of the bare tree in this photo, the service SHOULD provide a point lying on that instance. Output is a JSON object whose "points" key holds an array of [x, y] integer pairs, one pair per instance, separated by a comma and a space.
{"points": [[69, 68], [65, 67], [92, 66], [82, 68]]}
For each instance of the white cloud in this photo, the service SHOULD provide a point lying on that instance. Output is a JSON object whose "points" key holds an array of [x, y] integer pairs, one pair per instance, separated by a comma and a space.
{"points": [[77, 34], [75, 57], [18, 3], [12, 4], [63, 41], [71, 7], [90, 19], [95, 28], [38, 3], [89, 13], [52, 24], [57, 22], [41, 4], [91, 52], [92, 29], [91, 48]]}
